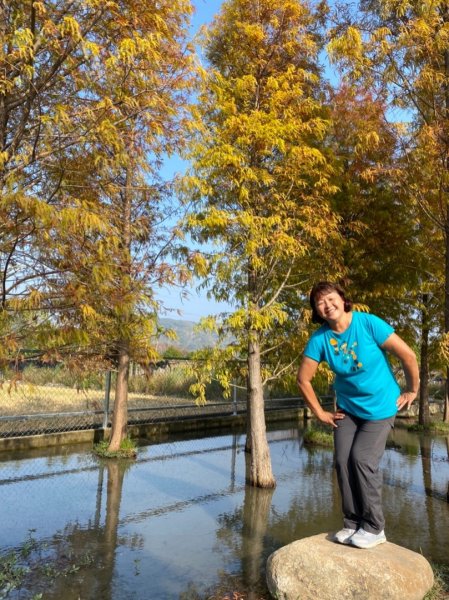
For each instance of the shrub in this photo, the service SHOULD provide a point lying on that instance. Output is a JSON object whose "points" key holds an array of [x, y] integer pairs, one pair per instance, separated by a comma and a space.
{"points": [[317, 437], [169, 381], [433, 427], [128, 449]]}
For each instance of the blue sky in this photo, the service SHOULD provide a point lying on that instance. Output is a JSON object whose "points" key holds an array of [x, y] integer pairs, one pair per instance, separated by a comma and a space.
{"points": [[204, 12], [196, 304]]}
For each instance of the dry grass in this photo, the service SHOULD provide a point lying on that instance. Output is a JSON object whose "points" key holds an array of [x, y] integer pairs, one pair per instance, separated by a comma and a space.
{"points": [[26, 398], [48, 390], [440, 589]]}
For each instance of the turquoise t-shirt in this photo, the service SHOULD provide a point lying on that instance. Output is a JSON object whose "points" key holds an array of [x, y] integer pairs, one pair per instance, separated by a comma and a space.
{"points": [[364, 382]]}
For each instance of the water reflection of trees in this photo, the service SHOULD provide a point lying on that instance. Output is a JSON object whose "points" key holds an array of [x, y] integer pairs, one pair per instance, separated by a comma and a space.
{"points": [[415, 494], [416, 508], [241, 539], [97, 540], [425, 444], [447, 448], [246, 535], [250, 533], [256, 511]]}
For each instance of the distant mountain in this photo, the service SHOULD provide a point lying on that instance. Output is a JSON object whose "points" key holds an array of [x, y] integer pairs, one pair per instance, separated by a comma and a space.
{"points": [[187, 338]]}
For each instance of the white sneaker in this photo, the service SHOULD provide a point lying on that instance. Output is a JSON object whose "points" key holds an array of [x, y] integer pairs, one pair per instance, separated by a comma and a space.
{"points": [[365, 539], [342, 536]]}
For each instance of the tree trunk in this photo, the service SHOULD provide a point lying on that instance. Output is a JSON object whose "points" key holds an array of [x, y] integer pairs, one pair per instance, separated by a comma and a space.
{"points": [[424, 411], [446, 242], [261, 474], [446, 399], [248, 418], [3, 116], [447, 446], [120, 415], [446, 314]]}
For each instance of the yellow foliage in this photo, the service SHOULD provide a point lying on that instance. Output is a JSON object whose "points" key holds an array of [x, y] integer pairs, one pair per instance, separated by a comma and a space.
{"points": [[88, 120], [443, 348], [367, 140], [208, 324], [401, 7], [349, 45], [260, 179], [35, 298], [4, 156], [200, 264], [111, 62], [71, 28], [23, 41], [88, 312], [90, 48], [40, 8], [357, 306]]}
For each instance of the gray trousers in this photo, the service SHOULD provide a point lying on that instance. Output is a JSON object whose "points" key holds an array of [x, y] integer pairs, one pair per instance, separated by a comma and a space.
{"points": [[359, 446]]}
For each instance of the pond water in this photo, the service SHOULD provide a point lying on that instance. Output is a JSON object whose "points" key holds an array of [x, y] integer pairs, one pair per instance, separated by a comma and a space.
{"points": [[180, 523]]}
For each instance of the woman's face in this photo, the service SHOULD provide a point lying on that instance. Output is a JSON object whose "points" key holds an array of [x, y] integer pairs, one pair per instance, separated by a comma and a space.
{"points": [[330, 306]]}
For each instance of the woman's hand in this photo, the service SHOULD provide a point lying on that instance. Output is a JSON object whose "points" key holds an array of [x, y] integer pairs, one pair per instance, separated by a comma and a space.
{"points": [[405, 400], [330, 418]]}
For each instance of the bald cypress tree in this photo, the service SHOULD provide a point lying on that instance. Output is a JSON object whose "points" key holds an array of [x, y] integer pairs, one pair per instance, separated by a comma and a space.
{"points": [[260, 187]]}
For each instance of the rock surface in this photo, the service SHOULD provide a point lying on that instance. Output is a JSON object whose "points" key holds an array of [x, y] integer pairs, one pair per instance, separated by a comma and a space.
{"points": [[317, 568]]}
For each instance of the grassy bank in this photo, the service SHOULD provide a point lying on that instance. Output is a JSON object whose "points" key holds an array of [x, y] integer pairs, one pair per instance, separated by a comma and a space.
{"points": [[436, 427], [314, 436]]}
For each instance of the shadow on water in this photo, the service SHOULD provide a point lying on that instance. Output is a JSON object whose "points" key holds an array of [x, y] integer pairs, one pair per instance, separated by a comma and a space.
{"points": [[180, 522]]}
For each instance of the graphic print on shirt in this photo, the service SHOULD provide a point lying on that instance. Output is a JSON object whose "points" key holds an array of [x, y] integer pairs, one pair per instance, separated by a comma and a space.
{"points": [[346, 352]]}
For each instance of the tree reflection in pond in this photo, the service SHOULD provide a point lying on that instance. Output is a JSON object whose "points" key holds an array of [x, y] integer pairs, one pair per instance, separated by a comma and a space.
{"points": [[101, 540], [179, 522]]}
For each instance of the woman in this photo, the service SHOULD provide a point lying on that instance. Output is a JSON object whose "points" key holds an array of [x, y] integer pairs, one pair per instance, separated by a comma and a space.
{"points": [[354, 345]]}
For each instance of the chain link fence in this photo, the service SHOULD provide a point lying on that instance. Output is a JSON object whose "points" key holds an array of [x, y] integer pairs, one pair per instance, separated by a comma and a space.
{"points": [[43, 399]]}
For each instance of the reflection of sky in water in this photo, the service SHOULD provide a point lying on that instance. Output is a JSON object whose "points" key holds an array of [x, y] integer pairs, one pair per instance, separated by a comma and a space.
{"points": [[180, 511]]}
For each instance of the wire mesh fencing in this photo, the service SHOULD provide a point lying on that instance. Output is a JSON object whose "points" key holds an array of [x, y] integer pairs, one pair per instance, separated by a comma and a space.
{"points": [[33, 405], [43, 400]]}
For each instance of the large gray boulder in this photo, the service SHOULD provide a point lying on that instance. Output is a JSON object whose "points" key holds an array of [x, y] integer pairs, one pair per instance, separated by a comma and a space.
{"points": [[317, 568]]}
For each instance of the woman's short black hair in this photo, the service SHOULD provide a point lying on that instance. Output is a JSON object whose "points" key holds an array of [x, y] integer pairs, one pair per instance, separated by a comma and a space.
{"points": [[326, 287]]}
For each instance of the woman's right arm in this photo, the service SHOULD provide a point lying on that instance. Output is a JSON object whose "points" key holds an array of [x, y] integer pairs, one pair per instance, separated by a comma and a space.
{"points": [[306, 373]]}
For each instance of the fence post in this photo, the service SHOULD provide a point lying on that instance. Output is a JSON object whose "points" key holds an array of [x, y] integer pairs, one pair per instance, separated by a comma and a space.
{"points": [[234, 398], [107, 394]]}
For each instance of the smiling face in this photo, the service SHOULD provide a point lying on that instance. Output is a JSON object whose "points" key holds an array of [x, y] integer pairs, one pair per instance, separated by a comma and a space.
{"points": [[330, 306]]}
